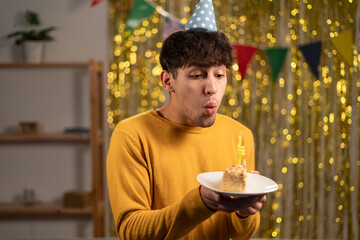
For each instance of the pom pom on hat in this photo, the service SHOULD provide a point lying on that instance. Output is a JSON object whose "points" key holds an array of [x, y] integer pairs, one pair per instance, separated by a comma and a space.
{"points": [[203, 17]]}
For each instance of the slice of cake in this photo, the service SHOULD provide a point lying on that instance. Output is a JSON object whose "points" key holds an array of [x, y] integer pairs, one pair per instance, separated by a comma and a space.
{"points": [[234, 179]]}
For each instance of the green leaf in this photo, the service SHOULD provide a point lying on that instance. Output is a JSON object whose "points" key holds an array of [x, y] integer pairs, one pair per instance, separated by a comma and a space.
{"points": [[32, 18], [44, 34], [14, 34]]}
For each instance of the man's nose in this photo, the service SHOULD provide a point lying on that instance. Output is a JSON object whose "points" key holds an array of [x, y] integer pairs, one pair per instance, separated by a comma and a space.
{"points": [[210, 87]]}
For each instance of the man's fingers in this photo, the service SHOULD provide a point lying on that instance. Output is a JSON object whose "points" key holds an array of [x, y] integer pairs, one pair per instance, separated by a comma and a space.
{"points": [[263, 199], [257, 205], [249, 211], [219, 202]]}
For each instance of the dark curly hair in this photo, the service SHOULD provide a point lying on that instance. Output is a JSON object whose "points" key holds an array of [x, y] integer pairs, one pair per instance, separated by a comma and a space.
{"points": [[195, 47]]}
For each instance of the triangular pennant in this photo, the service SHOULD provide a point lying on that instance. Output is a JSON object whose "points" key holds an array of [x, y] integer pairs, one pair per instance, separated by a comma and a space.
{"points": [[276, 58], [244, 55], [171, 24], [344, 45], [95, 2], [312, 52], [140, 10]]}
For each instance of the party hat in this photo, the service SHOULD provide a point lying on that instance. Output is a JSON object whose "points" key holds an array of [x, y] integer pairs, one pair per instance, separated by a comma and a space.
{"points": [[203, 17]]}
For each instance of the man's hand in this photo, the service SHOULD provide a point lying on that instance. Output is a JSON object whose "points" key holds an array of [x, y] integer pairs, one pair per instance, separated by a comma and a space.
{"points": [[244, 206]]}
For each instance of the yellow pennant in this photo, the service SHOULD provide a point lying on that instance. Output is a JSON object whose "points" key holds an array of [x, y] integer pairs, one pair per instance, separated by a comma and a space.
{"points": [[344, 45]]}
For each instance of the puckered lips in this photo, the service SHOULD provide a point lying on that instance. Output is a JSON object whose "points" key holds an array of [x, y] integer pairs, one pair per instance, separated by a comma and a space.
{"points": [[210, 108]]}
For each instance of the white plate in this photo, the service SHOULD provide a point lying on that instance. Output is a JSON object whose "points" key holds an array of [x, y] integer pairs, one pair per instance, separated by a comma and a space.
{"points": [[255, 184]]}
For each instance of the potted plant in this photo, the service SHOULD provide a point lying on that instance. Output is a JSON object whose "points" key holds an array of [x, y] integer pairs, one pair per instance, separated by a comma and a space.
{"points": [[32, 40]]}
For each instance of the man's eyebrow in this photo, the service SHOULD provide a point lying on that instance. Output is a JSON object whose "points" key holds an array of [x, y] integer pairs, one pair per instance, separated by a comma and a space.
{"points": [[194, 67]]}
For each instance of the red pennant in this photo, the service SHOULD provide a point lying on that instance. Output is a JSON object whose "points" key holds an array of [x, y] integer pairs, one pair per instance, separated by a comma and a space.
{"points": [[244, 54], [95, 2]]}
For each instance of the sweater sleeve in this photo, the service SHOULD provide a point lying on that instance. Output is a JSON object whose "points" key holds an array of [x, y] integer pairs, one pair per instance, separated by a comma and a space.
{"points": [[130, 192], [243, 228]]}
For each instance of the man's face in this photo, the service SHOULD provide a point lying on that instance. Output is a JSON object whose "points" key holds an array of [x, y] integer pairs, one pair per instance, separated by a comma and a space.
{"points": [[197, 94]]}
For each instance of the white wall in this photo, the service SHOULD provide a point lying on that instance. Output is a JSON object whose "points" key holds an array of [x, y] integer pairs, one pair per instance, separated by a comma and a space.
{"points": [[56, 99], [81, 30]]}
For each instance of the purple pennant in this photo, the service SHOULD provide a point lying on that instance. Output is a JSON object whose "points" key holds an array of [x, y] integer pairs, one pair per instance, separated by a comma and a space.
{"points": [[171, 24], [311, 52]]}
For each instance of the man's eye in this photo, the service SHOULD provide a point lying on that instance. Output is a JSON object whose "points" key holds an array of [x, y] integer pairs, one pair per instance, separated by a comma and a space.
{"points": [[196, 76], [219, 75]]}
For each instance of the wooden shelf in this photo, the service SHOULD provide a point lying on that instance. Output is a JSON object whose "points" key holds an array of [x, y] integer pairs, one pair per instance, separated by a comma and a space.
{"points": [[44, 209], [12, 138], [94, 138], [45, 64]]}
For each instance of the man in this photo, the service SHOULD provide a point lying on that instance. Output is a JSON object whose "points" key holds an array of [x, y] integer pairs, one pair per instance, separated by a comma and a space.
{"points": [[154, 157]]}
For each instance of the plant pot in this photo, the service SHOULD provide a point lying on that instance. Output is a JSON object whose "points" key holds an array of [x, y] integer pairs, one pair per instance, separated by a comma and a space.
{"points": [[33, 51]]}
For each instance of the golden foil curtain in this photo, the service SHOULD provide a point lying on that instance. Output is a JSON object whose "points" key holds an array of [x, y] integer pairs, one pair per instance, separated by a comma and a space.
{"points": [[306, 129]]}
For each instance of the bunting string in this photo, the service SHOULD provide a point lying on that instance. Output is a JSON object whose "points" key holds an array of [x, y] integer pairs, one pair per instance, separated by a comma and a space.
{"points": [[276, 56], [295, 84]]}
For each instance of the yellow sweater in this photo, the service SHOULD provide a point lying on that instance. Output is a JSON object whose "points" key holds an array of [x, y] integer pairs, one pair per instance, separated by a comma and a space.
{"points": [[152, 166]]}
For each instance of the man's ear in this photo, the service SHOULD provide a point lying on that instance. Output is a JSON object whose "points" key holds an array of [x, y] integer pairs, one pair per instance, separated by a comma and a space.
{"points": [[167, 81]]}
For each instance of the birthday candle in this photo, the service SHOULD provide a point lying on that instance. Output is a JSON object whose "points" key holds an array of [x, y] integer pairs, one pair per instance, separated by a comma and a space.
{"points": [[240, 150]]}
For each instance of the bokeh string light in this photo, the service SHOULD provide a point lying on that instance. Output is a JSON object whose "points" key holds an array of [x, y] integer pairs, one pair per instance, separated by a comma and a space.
{"points": [[306, 129]]}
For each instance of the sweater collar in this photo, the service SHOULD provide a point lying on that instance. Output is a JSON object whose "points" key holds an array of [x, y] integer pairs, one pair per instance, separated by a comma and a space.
{"points": [[181, 127]]}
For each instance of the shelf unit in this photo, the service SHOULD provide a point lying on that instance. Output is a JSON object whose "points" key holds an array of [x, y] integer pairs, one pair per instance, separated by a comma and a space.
{"points": [[43, 209], [95, 139], [12, 138]]}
